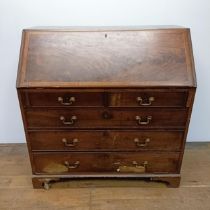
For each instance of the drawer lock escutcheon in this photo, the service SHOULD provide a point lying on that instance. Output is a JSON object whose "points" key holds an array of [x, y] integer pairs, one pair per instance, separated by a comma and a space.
{"points": [[70, 122], [142, 103], [72, 166], [70, 144], [106, 115], [139, 144], [143, 122], [67, 101]]}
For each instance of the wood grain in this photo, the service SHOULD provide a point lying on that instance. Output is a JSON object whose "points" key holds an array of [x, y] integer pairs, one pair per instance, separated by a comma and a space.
{"points": [[54, 163], [106, 140], [106, 59], [115, 79], [106, 118], [111, 98]]}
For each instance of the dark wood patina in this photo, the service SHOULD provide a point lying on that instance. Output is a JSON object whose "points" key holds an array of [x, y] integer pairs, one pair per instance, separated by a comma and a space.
{"points": [[106, 102]]}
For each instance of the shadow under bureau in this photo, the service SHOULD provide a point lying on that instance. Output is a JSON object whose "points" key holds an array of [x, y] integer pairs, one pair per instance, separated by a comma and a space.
{"points": [[109, 102]]}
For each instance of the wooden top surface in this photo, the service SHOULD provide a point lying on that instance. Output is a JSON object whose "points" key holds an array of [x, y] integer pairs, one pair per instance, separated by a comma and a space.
{"points": [[106, 57]]}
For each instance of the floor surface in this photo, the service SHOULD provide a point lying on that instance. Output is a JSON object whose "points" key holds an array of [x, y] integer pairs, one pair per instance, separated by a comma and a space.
{"points": [[16, 192]]}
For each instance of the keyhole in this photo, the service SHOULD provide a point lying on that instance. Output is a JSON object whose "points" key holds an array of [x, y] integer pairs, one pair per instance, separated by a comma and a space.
{"points": [[106, 115], [105, 35]]}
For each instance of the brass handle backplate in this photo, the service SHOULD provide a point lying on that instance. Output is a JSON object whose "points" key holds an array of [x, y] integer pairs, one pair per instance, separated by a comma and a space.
{"points": [[66, 101], [72, 144], [144, 164], [70, 122], [135, 167], [139, 144], [72, 166], [142, 122], [142, 103]]}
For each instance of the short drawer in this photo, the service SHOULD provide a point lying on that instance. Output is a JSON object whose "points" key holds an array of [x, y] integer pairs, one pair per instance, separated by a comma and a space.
{"points": [[106, 140], [106, 118], [62, 99], [148, 99], [144, 162]]}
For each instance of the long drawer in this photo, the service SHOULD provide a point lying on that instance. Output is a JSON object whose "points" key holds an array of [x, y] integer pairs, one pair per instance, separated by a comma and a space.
{"points": [[144, 162], [106, 118], [105, 140], [138, 98]]}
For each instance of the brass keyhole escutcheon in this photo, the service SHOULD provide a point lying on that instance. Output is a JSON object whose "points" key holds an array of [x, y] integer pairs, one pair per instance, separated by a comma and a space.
{"points": [[106, 115]]}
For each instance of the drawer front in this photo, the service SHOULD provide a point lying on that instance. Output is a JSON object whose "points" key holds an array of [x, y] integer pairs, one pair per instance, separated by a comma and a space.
{"points": [[144, 162], [105, 140], [137, 98], [110, 118], [62, 99], [148, 99]]}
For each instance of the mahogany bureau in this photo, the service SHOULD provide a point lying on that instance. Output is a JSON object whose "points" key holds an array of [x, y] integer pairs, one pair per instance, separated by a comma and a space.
{"points": [[106, 102]]}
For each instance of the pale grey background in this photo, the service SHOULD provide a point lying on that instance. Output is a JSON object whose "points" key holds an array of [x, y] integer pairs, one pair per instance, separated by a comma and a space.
{"points": [[18, 14]]}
